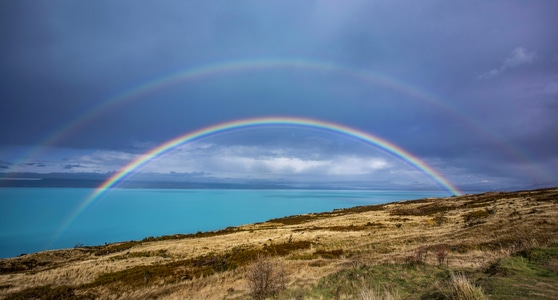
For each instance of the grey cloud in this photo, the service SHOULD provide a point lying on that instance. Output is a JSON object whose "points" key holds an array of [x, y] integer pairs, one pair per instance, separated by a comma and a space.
{"points": [[519, 56]]}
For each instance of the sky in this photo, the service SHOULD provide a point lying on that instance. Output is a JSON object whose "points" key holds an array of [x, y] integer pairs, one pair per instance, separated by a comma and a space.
{"points": [[469, 88]]}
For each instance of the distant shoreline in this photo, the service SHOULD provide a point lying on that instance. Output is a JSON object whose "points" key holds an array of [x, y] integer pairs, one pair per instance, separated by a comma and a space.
{"points": [[30, 182]]}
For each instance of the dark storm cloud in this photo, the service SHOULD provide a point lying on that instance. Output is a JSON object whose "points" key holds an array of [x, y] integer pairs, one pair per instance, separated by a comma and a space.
{"points": [[492, 65]]}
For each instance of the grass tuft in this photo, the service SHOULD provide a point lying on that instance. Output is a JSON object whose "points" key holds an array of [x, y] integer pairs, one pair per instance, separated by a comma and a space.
{"points": [[460, 288], [368, 293]]}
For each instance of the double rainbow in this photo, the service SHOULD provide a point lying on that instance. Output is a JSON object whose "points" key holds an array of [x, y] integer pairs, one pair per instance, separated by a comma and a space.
{"points": [[137, 93]]}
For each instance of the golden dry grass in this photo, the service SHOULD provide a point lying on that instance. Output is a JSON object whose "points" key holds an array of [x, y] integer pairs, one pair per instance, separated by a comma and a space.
{"points": [[467, 231]]}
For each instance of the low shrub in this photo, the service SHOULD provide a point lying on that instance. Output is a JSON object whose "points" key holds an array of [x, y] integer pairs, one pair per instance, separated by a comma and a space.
{"points": [[418, 257], [266, 278], [441, 254]]}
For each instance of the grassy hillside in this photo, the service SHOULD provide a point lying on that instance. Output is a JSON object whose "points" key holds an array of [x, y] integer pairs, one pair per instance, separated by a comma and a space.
{"points": [[486, 246]]}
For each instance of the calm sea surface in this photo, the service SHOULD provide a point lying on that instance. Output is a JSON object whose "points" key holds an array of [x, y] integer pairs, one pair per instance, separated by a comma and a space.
{"points": [[36, 219]]}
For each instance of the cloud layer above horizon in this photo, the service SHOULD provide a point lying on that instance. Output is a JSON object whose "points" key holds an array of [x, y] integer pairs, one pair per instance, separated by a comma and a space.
{"points": [[469, 88]]}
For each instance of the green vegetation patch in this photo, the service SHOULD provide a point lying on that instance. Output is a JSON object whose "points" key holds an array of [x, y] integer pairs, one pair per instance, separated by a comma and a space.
{"points": [[540, 256], [531, 274], [408, 283]]}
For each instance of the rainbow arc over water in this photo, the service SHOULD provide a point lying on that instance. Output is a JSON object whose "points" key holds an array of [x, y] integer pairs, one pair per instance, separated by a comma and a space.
{"points": [[276, 121], [163, 148]]}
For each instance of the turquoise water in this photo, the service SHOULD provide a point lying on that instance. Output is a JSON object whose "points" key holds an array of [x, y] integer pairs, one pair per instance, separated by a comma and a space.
{"points": [[33, 219]]}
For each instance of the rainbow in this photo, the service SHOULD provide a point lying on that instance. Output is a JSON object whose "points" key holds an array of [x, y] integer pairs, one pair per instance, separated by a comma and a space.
{"points": [[376, 141], [274, 121]]}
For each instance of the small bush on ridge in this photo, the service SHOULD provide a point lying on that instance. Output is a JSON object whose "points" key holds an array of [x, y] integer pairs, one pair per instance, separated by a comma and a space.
{"points": [[266, 278]]}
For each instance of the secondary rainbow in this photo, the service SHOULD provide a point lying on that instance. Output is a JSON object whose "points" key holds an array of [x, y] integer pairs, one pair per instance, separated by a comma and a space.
{"points": [[137, 93]]}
